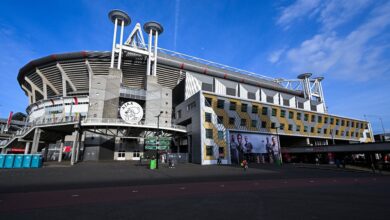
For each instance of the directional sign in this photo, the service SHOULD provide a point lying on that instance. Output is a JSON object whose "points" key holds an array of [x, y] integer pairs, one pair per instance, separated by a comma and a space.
{"points": [[162, 143]]}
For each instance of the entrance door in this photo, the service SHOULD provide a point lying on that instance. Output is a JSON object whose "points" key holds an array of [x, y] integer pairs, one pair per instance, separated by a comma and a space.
{"points": [[121, 155]]}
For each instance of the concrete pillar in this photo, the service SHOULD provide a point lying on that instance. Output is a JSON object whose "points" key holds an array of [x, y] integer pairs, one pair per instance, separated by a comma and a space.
{"points": [[3, 151], [307, 141], [60, 151], [27, 148], [75, 140], [35, 144]]}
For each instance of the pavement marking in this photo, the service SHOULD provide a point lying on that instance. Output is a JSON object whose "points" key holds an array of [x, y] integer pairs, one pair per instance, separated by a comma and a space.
{"points": [[182, 188], [256, 183], [75, 195], [222, 185], [311, 181], [134, 191]]}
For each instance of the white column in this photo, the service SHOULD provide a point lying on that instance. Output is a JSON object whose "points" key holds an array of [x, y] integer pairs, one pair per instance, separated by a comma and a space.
{"points": [[120, 50], [73, 158], [60, 151], [113, 44], [150, 52], [155, 55], [44, 91], [27, 148]]}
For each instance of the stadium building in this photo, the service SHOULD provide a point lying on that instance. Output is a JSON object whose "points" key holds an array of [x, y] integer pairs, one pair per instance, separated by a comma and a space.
{"points": [[124, 104]]}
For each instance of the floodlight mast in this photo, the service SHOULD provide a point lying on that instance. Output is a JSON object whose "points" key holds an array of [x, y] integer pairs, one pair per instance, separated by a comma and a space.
{"points": [[118, 17]]}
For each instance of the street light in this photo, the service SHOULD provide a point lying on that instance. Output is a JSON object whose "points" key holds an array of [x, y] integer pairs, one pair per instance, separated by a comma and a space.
{"points": [[158, 137]]}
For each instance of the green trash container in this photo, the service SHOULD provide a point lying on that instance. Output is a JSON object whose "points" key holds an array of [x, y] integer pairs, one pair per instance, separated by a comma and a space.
{"points": [[18, 161], [27, 161], [153, 164], [2, 160], [9, 161]]}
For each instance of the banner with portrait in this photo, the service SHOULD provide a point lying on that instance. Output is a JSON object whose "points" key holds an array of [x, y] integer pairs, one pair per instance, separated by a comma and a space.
{"points": [[245, 145]]}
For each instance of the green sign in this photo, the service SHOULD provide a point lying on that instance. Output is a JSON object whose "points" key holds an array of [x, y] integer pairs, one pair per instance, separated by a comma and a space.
{"points": [[151, 143]]}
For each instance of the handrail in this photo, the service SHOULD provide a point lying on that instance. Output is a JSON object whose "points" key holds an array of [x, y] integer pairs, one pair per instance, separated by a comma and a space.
{"points": [[120, 121]]}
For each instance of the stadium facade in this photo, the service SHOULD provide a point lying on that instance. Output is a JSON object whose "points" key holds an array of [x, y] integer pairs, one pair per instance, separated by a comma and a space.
{"points": [[94, 105]]}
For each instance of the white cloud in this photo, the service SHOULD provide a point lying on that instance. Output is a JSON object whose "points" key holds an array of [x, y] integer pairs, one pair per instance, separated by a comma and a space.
{"points": [[297, 10], [356, 56], [275, 56]]}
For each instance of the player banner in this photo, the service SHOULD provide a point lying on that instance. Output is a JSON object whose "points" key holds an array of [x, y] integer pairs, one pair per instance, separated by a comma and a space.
{"points": [[243, 145]]}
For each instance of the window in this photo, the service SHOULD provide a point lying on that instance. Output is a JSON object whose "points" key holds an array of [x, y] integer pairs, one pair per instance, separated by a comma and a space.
{"points": [[352, 124], [282, 113], [244, 107], [361, 125], [290, 127], [221, 151], [337, 132], [179, 114], [348, 123], [306, 117], [255, 109], [207, 87], [221, 104], [263, 124], [332, 121], [274, 111], [253, 123], [299, 116], [209, 150], [286, 102], [366, 126], [209, 133], [342, 133], [326, 120], [352, 134], [220, 135], [252, 95], [298, 128], [273, 125], [347, 133], [305, 128], [231, 121], [313, 118], [232, 106], [368, 134], [230, 91], [220, 119], [319, 119], [191, 106], [243, 122], [325, 131], [337, 121], [207, 117], [357, 124], [264, 111], [290, 115], [208, 102], [318, 130], [300, 105], [312, 129], [281, 126], [270, 99], [313, 107], [342, 122]]}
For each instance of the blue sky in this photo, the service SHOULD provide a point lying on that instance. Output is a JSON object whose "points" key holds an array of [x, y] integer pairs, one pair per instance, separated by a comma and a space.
{"points": [[345, 41]]}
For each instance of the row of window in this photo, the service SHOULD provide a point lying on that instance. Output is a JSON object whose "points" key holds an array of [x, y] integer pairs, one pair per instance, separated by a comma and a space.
{"points": [[291, 114], [210, 151], [282, 127], [209, 134], [252, 95]]}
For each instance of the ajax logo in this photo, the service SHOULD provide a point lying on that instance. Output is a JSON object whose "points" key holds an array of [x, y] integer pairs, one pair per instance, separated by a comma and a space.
{"points": [[131, 112]]}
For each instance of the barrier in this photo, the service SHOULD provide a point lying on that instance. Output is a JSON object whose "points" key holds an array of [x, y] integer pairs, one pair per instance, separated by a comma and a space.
{"points": [[18, 160], [9, 161]]}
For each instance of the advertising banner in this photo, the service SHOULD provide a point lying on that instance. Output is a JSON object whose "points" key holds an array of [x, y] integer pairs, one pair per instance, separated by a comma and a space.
{"points": [[246, 145]]}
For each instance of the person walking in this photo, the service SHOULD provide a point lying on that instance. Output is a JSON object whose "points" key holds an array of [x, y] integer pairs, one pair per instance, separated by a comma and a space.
{"points": [[245, 164]]}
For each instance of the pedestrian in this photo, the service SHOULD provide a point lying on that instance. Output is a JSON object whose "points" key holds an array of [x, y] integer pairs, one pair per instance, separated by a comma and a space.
{"points": [[219, 161], [317, 161], [245, 164]]}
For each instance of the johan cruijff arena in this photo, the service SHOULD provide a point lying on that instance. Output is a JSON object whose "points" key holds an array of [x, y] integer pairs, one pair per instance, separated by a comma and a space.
{"points": [[126, 103]]}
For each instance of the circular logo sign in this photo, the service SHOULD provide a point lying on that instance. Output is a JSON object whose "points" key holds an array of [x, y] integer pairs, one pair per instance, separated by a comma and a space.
{"points": [[131, 112]]}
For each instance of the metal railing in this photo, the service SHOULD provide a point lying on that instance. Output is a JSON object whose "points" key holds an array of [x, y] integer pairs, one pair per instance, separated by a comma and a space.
{"points": [[120, 121], [213, 64]]}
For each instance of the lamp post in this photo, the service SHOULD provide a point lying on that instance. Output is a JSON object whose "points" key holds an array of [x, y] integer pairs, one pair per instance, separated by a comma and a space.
{"points": [[158, 137]]}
